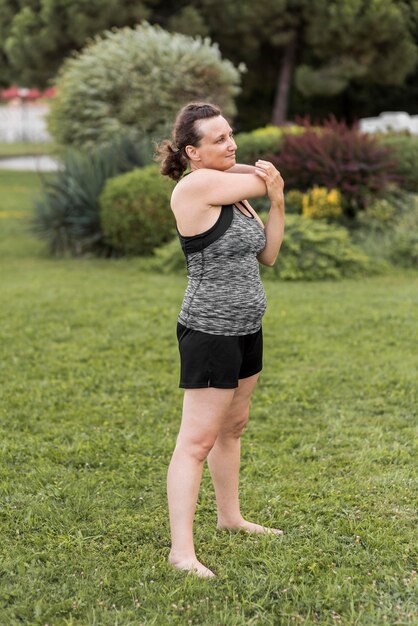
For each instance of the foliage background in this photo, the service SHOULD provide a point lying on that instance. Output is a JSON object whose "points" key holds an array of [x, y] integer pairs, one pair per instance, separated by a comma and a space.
{"points": [[363, 56]]}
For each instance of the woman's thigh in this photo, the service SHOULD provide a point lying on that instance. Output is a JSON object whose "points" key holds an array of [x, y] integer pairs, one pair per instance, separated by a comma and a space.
{"points": [[203, 413], [236, 416], [242, 397]]}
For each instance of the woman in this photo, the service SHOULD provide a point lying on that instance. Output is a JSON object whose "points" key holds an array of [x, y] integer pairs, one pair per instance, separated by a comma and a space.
{"points": [[219, 325]]}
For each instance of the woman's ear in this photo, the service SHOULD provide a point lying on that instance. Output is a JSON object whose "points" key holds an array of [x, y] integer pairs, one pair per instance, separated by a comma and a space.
{"points": [[192, 153]]}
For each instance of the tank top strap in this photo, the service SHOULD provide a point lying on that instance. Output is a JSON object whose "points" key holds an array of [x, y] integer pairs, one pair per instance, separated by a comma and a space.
{"points": [[196, 243], [248, 212]]}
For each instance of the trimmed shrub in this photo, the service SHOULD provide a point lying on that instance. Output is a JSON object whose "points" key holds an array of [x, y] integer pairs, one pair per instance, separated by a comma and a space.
{"points": [[381, 213], [404, 249], [261, 204], [321, 203], [337, 158], [135, 211], [67, 213], [404, 149], [261, 142], [293, 201], [252, 146], [311, 250], [389, 230], [169, 258], [315, 250], [133, 81], [386, 233]]}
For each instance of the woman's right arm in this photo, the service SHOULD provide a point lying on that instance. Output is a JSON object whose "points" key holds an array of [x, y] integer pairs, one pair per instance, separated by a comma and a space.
{"points": [[215, 187]]}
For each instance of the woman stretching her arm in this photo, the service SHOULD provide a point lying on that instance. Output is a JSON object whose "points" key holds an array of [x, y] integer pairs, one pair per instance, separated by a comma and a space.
{"points": [[219, 325]]}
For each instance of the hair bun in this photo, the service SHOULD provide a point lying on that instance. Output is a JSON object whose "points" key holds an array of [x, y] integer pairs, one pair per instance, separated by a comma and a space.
{"points": [[174, 161]]}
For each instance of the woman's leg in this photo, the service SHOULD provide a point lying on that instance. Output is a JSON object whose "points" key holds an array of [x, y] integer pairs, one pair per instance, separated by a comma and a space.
{"points": [[203, 412], [224, 460]]}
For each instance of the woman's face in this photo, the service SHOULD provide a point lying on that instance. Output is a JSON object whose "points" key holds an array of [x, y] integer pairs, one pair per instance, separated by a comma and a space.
{"points": [[217, 146]]}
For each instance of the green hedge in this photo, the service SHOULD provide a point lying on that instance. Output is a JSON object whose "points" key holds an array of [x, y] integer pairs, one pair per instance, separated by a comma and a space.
{"points": [[260, 143], [135, 211], [389, 230], [315, 250], [404, 248], [311, 250], [405, 152], [168, 258]]}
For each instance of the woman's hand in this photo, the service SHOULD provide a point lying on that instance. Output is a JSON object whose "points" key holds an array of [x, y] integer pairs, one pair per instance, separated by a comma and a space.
{"points": [[271, 176]]}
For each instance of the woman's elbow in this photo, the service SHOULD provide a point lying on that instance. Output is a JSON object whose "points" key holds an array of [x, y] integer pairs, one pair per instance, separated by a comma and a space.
{"points": [[269, 262]]}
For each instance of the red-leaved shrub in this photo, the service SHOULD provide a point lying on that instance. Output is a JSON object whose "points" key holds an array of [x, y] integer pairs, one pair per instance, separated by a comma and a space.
{"points": [[337, 157]]}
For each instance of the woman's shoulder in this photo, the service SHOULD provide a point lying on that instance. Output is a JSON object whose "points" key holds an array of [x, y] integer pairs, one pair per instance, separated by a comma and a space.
{"points": [[190, 184], [197, 177]]}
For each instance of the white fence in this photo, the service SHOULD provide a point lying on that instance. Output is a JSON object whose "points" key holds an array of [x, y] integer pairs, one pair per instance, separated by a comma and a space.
{"points": [[23, 122], [390, 120], [26, 122]]}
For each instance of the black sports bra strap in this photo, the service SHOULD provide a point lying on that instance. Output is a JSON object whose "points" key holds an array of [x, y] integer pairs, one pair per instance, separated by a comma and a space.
{"points": [[196, 243], [244, 207]]}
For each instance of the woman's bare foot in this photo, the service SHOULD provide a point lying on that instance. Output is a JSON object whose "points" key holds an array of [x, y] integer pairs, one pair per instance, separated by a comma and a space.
{"points": [[252, 528], [191, 565]]}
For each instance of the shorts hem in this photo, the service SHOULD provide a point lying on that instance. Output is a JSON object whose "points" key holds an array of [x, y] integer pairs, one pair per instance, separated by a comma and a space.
{"points": [[206, 386], [256, 371]]}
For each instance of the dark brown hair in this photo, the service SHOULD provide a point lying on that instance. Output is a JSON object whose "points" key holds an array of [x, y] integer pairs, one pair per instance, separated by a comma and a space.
{"points": [[172, 154]]}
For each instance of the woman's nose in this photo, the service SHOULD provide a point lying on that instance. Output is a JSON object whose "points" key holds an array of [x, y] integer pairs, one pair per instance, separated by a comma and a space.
{"points": [[232, 143]]}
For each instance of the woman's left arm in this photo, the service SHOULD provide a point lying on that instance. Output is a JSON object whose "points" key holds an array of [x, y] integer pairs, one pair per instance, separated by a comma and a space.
{"points": [[241, 168], [274, 226]]}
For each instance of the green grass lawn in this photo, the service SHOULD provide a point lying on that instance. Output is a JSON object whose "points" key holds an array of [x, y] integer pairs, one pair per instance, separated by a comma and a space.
{"points": [[89, 414], [25, 149]]}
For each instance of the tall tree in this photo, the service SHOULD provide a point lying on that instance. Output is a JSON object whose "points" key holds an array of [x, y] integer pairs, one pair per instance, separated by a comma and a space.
{"points": [[320, 47], [36, 35], [356, 40], [297, 51]]}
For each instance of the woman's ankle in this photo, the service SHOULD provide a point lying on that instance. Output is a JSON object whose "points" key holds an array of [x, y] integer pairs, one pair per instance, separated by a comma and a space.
{"points": [[230, 522], [180, 556], [192, 565]]}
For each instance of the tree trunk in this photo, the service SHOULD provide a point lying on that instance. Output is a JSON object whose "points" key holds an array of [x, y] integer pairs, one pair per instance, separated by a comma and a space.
{"points": [[284, 80]]}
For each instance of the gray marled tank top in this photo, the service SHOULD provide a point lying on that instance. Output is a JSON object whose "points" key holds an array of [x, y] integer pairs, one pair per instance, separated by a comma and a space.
{"points": [[224, 295]]}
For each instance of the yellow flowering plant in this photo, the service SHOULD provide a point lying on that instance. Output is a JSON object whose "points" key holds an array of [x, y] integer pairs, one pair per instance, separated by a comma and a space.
{"points": [[322, 203]]}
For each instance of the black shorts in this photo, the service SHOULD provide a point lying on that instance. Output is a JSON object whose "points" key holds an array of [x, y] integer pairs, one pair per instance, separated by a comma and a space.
{"points": [[217, 360]]}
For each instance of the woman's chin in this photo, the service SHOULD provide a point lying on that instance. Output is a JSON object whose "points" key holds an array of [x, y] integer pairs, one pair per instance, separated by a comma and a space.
{"points": [[230, 162]]}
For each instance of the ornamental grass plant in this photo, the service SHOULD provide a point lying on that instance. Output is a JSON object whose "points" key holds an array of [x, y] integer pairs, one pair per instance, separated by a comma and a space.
{"points": [[67, 212]]}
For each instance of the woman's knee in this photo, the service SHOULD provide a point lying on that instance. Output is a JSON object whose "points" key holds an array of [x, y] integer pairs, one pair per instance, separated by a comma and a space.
{"points": [[235, 425], [198, 448]]}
